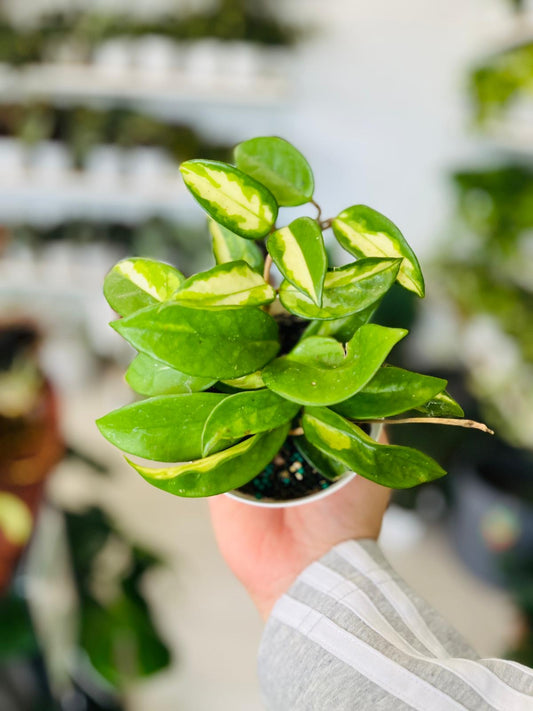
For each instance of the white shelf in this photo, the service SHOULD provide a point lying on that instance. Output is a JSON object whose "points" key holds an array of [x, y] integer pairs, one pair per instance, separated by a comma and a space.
{"points": [[25, 197], [78, 82]]}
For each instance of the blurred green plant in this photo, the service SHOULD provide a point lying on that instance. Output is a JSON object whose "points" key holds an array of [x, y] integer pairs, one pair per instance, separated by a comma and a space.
{"points": [[241, 20], [500, 80], [81, 128]]}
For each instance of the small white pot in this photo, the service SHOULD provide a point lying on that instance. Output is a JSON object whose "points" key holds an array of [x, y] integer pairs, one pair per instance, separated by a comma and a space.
{"points": [[375, 432]]}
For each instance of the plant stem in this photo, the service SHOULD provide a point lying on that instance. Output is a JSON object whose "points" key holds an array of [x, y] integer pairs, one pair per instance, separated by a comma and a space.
{"points": [[434, 421], [319, 210], [297, 432], [266, 270], [326, 224]]}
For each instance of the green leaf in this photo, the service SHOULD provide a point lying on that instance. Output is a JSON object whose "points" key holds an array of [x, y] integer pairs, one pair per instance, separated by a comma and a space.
{"points": [[219, 344], [254, 381], [299, 253], [231, 285], [121, 640], [151, 377], [389, 465], [277, 164], [390, 392], [331, 468], [229, 247], [442, 405], [347, 290], [133, 284], [220, 472], [364, 232], [341, 329], [318, 371], [231, 197], [244, 414], [167, 428]]}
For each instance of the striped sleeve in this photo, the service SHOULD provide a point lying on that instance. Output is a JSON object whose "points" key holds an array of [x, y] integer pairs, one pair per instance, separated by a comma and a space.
{"points": [[351, 635]]}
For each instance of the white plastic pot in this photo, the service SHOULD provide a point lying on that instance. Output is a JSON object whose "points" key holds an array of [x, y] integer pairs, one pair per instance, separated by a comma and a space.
{"points": [[375, 432]]}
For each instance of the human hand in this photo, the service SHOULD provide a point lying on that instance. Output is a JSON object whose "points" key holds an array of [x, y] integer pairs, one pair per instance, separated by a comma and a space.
{"points": [[268, 548]]}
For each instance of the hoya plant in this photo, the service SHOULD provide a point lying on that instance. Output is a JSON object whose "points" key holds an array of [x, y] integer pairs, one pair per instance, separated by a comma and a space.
{"points": [[264, 388]]}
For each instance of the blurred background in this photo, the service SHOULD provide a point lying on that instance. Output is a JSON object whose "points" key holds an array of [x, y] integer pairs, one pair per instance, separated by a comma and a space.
{"points": [[114, 596]]}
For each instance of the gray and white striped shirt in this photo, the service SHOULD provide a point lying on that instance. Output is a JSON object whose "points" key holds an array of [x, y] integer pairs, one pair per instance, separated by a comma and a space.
{"points": [[351, 635]]}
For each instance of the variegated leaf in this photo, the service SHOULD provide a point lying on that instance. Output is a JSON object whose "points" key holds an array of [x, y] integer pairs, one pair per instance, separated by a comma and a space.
{"points": [[229, 247], [347, 290], [299, 253], [364, 232], [233, 284], [135, 283], [231, 197], [389, 465], [220, 472]]}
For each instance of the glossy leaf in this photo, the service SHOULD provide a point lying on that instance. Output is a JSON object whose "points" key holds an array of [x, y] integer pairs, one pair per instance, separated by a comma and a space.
{"points": [[229, 247], [133, 284], [231, 197], [254, 381], [389, 465], [244, 414], [220, 472], [232, 285], [299, 253], [331, 468], [318, 371], [364, 232], [151, 377], [390, 392], [280, 166], [341, 329], [167, 428], [347, 290], [221, 344], [442, 405]]}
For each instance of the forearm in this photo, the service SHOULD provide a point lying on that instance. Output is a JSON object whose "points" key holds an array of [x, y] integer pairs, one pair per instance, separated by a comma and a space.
{"points": [[350, 634]]}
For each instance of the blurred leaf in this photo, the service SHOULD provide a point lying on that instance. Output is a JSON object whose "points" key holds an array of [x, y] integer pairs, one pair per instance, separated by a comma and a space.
{"points": [[441, 405], [17, 638], [231, 285], [279, 166], [299, 253], [136, 283], [389, 465], [364, 232], [245, 414], [229, 247], [231, 197], [219, 344], [219, 472], [347, 290], [318, 371], [167, 428], [151, 377], [390, 392], [121, 640]]}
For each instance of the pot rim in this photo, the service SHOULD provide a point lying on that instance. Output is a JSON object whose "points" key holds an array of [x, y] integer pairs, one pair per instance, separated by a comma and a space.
{"points": [[375, 432]]}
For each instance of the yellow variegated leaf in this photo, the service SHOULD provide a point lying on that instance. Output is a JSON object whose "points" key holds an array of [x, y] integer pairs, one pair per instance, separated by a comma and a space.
{"points": [[299, 253], [133, 284], [231, 197], [233, 284], [364, 232]]}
